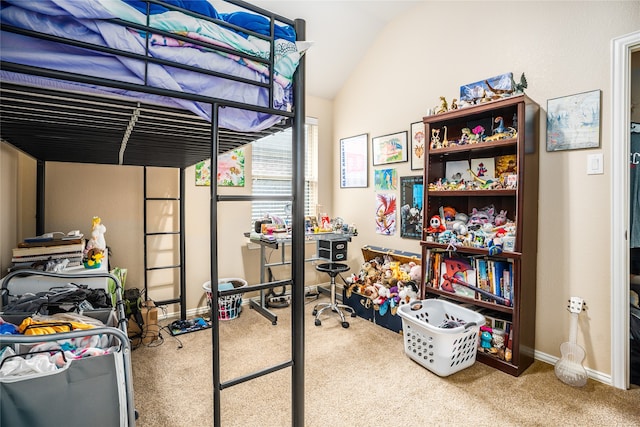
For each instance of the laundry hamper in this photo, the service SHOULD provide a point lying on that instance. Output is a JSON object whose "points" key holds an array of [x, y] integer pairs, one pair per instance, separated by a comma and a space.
{"points": [[439, 335], [229, 307]]}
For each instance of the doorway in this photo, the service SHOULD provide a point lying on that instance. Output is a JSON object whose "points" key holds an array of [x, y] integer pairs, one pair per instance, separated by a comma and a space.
{"points": [[622, 51]]}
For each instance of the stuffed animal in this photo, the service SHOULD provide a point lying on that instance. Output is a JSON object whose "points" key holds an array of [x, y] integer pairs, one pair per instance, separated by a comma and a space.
{"points": [[415, 273]]}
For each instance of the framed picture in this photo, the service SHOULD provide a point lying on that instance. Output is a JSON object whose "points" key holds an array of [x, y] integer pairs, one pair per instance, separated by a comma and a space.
{"points": [[354, 161], [417, 145], [573, 121], [411, 206], [390, 148]]}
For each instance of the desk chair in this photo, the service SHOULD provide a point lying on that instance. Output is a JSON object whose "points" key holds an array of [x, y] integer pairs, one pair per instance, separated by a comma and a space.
{"points": [[332, 269]]}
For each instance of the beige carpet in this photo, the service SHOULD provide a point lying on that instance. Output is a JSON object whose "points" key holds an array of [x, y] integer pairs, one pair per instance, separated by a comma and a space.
{"points": [[358, 376]]}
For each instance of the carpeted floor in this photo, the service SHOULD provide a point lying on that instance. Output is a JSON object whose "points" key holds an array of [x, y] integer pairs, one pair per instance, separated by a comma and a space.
{"points": [[354, 377]]}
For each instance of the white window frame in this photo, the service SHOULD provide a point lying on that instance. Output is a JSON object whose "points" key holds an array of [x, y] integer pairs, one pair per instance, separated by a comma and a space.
{"points": [[271, 174]]}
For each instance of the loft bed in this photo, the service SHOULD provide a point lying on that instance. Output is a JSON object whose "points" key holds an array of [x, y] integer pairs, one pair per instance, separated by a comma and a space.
{"points": [[158, 83]]}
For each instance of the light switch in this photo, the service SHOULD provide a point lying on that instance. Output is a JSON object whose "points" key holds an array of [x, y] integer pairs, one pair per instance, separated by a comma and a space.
{"points": [[594, 164]]}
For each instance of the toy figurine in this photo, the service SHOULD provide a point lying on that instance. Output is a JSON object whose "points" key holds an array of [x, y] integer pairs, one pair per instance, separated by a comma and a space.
{"points": [[436, 225], [485, 340], [97, 235], [435, 138], [444, 107]]}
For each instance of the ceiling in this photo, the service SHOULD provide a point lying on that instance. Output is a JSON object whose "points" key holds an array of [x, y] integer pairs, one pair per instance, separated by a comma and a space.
{"points": [[342, 31]]}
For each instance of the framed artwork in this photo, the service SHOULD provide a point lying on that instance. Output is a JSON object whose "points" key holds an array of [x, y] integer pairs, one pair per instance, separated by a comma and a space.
{"points": [[411, 206], [354, 162], [417, 145], [230, 170], [390, 148], [386, 179], [573, 122]]}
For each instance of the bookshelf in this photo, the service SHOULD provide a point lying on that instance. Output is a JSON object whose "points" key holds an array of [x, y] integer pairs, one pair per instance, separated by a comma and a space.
{"points": [[471, 181]]}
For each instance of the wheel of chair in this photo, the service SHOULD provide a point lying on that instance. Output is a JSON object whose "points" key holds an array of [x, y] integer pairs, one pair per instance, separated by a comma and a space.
{"points": [[345, 324], [318, 322], [314, 312], [353, 314]]}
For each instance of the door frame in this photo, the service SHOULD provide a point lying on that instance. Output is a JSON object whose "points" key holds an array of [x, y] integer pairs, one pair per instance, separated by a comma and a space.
{"points": [[621, 50]]}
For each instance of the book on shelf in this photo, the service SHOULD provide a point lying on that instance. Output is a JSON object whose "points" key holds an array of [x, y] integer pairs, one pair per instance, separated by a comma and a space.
{"points": [[482, 274], [46, 257], [48, 250], [462, 269], [49, 242]]}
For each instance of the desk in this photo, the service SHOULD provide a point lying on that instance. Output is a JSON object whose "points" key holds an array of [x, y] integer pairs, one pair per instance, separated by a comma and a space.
{"points": [[260, 303]]}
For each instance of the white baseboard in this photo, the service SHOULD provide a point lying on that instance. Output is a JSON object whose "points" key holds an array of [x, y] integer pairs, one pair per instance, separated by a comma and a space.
{"points": [[595, 375]]}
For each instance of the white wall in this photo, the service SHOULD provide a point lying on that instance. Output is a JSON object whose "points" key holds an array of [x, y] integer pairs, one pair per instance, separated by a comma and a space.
{"points": [[564, 48]]}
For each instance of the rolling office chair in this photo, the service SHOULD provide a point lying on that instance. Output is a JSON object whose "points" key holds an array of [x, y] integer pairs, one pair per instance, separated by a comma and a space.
{"points": [[332, 269]]}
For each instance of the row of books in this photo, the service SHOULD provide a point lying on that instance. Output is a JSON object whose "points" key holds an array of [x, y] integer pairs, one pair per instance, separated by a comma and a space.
{"points": [[490, 280], [29, 254]]}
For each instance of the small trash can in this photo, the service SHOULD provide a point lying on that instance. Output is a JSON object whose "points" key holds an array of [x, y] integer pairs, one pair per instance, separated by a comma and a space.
{"points": [[229, 307]]}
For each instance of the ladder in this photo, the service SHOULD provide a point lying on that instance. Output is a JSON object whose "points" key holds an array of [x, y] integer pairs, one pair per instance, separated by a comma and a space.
{"points": [[166, 215]]}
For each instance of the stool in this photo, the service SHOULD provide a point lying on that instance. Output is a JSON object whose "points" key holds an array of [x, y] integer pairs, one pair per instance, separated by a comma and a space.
{"points": [[332, 269]]}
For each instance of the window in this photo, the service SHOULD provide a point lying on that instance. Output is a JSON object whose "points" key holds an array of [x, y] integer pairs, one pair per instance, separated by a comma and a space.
{"points": [[271, 169]]}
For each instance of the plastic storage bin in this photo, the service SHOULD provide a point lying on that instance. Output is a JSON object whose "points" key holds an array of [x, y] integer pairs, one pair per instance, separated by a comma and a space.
{"points": [[229, 306], [439, 335]]}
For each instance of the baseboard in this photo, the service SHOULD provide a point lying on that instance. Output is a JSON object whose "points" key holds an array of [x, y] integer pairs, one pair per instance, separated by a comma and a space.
{"points": [[552, 360]]}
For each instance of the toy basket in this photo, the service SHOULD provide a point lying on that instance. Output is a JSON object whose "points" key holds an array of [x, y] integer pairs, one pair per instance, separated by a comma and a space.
{"points": [[229, 307], [439, 335]]}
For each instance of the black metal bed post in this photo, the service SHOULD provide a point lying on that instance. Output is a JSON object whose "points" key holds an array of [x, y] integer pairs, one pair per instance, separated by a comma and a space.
{"points": [[298, 246], [213, 228], [40, 196], [183, 257]]}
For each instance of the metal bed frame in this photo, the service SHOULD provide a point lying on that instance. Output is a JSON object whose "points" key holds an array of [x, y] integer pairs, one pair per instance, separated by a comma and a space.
{"points": [[191, 151]]}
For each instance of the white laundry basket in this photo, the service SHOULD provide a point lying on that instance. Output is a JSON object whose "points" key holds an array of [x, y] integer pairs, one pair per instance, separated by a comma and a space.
{"points": [[229, 307], [439, 335]]}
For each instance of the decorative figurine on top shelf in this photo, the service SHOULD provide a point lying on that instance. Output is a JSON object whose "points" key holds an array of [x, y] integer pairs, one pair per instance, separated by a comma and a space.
{"points": [[454, 104], [443, 107], [519, 87]]}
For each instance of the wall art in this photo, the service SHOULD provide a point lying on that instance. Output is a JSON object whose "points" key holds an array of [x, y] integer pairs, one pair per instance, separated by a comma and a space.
{"points": [[354, 162], [230, 170], [386, 214], [573, 122], [411, 206], [390, 148], [386, 179], [417, 145]]}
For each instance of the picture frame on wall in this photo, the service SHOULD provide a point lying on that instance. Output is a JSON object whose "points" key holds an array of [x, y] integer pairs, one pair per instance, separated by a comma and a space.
{"points": [[573, 122], [418, 140], [391, 148], [411, 206], [354, 161]]}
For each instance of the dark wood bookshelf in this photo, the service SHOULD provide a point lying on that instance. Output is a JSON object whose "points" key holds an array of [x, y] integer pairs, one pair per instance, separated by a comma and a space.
{"points": [[519, 113]]}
